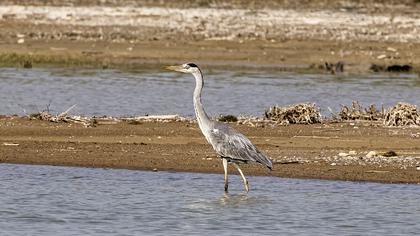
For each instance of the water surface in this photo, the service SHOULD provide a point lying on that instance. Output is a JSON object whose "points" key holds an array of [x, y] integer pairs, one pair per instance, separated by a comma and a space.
{"points": [[45, 200], [116, 93]]}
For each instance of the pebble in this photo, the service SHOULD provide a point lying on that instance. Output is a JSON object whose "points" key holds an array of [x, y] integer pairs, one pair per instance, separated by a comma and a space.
{"points": [[352, 153], [351, 158], [391, 49], [11, 144], [155, 170], [371, 154], [381, 56], [333, 164], [390, 154], [343, 154], [20, 41], [418, 168]]}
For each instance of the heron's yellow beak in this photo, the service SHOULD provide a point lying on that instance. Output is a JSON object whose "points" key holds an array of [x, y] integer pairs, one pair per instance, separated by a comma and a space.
{"points": [[175, 68]]}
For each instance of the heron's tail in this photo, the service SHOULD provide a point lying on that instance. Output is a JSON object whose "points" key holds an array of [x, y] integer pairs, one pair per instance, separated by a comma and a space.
{"points": [[264, 160], [269, 165]]}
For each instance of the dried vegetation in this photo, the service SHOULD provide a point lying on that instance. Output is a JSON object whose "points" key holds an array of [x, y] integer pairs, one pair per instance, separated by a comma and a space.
{"points": [[63, 117], [402, 114], [303, 113], [358, 112]]}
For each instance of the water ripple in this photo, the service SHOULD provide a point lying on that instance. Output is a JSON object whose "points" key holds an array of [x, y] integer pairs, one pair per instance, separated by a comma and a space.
{"points": [[44, 200]]}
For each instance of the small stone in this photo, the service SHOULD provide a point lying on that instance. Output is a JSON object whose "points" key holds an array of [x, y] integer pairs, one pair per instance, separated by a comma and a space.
{"points": [[350, 158], [371, 154], [209, 158], [418, 168], [390, 154], [11, 144], [155, 170], [381, 56], [352, 153], [391, 49], [20, 41], [333, 164], [343, 154]]}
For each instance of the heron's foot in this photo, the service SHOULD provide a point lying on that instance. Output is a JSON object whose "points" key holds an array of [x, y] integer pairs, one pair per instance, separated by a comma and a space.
{"points": [[226, 187]]}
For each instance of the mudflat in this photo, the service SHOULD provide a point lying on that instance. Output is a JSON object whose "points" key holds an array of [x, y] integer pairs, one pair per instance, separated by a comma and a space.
{"points": [[283, 35], [334, 151]]}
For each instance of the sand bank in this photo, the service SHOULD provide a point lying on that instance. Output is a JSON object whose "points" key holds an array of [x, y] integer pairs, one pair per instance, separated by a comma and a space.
{"points": [[298, 151]]}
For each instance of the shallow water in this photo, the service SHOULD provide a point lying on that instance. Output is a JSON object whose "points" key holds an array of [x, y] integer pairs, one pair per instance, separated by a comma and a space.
{"points": [[45, 200], [116, 93]]}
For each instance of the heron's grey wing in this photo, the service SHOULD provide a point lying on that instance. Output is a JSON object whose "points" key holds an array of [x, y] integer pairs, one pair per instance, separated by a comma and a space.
{"points": [[230, 143]]}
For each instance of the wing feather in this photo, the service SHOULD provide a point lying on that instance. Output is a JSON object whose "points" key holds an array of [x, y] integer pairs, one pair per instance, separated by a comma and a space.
{"points": [[230, 143]]}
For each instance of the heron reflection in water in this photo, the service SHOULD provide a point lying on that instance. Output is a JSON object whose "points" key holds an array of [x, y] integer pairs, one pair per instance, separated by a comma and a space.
{"points": [[232, 146]]}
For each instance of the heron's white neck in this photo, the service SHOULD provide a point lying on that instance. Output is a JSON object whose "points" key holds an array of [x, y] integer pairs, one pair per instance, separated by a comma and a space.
{"points": [[202, 117]]}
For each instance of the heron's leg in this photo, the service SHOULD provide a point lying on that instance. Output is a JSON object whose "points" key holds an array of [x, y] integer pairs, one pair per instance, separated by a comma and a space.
{"points": [[225, 164], [243, 177]]}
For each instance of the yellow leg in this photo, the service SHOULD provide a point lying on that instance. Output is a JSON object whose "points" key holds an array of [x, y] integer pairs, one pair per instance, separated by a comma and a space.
{"points": [[225, 164], [243, 177]]}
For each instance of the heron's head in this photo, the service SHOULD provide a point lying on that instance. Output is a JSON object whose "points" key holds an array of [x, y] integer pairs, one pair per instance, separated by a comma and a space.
{"points": [[185, 68]]}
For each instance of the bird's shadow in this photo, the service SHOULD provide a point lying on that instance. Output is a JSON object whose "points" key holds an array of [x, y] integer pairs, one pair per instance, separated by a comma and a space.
{"points": [[229, 201]]}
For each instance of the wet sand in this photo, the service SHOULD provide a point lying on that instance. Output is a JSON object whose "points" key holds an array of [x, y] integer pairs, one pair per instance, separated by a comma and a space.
{"points": [[298, 151], [292, 36]]}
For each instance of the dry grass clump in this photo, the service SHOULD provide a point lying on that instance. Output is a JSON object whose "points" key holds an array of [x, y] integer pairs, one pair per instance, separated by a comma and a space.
{"points": [[357, 112], [63, 117], [303, 113], [47, 116], [228, 118], [403, 114]]}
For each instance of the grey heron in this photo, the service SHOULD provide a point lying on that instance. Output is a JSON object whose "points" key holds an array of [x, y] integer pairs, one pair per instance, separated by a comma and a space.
{"points": [[232, 146]]}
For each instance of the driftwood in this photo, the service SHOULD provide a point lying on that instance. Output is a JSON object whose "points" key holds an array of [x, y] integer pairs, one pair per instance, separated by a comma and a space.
{"points": [[45, 115], [403, 114], [63, 117], [357, 112], [303, 113], [156, 118]]}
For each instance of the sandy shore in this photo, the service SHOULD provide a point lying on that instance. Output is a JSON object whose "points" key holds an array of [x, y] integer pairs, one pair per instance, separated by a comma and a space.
{"points": [[298, 151], [118, 35], [289, 35]]}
